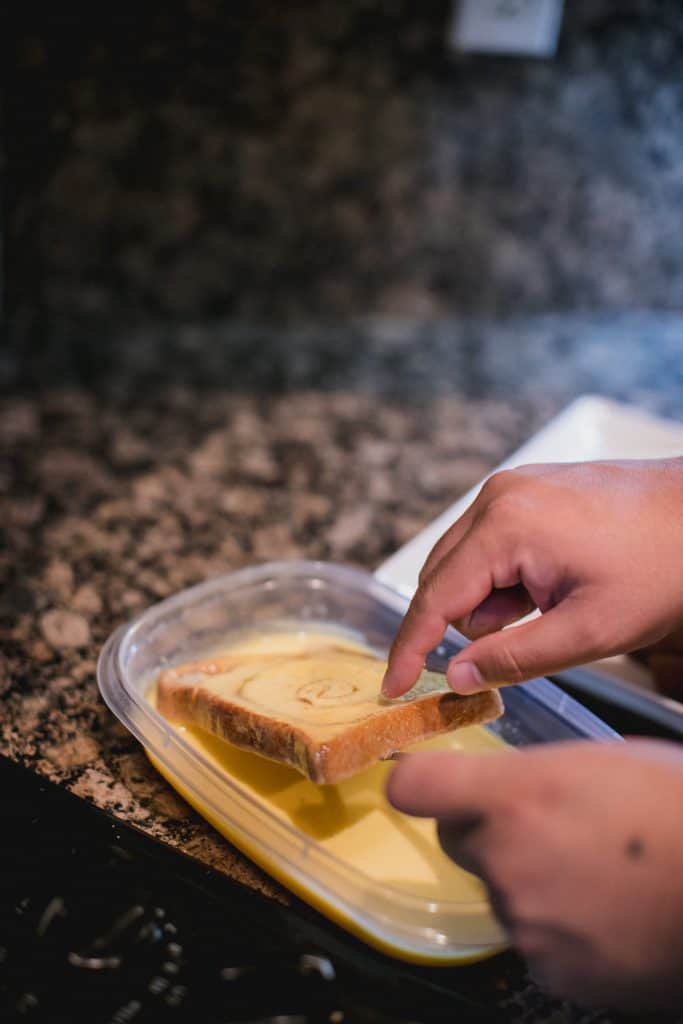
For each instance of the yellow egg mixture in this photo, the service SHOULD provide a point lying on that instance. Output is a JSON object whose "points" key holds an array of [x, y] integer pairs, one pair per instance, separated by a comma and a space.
{"points": [[351, 819]]}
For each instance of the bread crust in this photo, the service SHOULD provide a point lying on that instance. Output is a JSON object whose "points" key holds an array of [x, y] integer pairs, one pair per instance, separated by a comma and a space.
{"points": [[337, 753]]}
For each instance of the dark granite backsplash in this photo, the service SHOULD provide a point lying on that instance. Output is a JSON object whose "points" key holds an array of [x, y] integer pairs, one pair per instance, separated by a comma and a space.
{"points": [[317, 162]]}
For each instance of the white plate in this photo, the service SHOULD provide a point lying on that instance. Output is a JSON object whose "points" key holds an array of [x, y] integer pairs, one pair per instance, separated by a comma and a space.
{"points": [[590, 428]]}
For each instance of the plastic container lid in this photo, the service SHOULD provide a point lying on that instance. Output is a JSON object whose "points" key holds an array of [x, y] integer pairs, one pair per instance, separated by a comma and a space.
{"points": [[312, 596]]}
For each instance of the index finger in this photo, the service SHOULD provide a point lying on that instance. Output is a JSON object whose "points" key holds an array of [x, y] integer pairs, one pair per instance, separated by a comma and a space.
{"points": [[447, 541], [460, 582], [445, 784]]}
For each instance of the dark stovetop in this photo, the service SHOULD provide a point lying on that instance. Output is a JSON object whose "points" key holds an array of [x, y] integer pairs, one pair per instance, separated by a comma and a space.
{"points": [[101, 922]]}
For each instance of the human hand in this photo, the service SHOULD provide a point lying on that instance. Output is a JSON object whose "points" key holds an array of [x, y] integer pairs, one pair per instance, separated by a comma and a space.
{"points": [[596, 547], [580, 846]]}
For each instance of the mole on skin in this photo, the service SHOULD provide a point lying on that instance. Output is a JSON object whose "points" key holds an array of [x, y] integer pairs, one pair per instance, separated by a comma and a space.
{"points": [[635, 848]]}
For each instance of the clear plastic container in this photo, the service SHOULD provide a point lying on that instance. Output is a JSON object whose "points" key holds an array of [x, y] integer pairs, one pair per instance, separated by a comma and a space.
{"points": [[312, 596]]}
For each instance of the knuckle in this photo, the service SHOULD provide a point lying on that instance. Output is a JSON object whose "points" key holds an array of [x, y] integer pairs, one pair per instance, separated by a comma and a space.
{"points": [[533, 469], [429, 594], [509, 506], [431, 560], [505, 665], [496, 484], [505, 481], [510, 493], [424, 573], [422, 601], [430, 565]]}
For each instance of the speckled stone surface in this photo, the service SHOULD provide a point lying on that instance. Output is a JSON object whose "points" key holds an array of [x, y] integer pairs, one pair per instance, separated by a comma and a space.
{"points": [[107, 507], [109, 504]]}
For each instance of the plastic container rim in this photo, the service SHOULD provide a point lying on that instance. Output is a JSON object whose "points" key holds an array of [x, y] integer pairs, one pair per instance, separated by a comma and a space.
{"points": [[116, 693]]}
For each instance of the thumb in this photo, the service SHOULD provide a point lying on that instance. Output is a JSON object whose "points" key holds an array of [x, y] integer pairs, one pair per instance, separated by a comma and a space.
{"points": [[558, 639]]}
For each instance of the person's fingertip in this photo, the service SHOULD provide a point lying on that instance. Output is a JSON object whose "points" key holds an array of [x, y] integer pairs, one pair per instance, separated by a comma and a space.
{"points": [[390, 688], [465, 678], [429, 784], [400, 675], [393, 788], [394, 691]]}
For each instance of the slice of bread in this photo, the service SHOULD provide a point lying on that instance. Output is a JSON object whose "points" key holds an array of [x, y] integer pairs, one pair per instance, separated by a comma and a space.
{"points": [[319, 711]]}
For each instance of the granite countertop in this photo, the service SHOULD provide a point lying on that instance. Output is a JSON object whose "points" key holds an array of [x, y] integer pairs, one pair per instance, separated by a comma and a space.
{"points": [[108, 505]]}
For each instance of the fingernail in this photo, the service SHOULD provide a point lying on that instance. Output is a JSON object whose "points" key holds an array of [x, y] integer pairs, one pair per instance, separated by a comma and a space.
{"points": [[385, 690], [465, 678]]}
